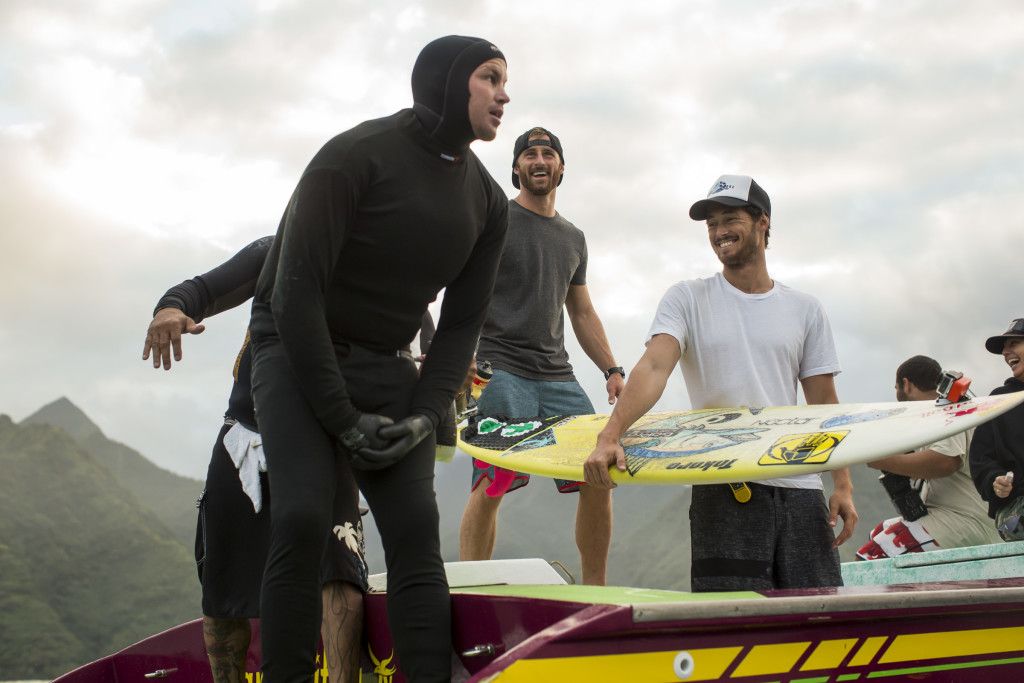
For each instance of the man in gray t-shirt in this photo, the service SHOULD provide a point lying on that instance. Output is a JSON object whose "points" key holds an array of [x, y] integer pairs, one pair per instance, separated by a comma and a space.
{"points": [[524, 333], [543, 270]]}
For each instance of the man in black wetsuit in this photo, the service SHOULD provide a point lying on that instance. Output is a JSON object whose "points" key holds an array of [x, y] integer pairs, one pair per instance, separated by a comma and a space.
{"points": [[385, 216], [233, 531]]}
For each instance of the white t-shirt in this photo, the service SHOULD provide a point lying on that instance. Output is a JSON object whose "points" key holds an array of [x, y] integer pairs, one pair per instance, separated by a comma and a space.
{"points": [[740, 349]]}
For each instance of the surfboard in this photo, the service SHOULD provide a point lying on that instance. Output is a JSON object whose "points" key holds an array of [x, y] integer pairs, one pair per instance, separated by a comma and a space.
{"points": [[729, 445]]}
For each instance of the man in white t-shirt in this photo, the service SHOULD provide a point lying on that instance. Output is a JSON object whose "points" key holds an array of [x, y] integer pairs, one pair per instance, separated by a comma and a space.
{"points": [[946, 510], [742, 339]]}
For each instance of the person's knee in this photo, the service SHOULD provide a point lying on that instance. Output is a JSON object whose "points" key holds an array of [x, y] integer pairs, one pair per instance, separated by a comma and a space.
{"points": [[409, 523], [341, 597], [304, 524], [483, 500], [410, 532], [226, 637]]}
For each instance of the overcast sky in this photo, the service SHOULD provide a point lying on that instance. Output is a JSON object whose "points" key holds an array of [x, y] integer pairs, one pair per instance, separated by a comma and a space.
{"points": [[144, 141]]}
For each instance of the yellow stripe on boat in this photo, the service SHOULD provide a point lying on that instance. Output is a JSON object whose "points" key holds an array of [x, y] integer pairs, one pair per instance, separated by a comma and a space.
{"points": [[867, 651], [946, 644], [763, 660], [829, 654], [709, 664]]}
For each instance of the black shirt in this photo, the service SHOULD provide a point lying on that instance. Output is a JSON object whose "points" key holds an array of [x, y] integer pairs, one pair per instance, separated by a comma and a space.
{"points": [[998, 448], [381, 220]]}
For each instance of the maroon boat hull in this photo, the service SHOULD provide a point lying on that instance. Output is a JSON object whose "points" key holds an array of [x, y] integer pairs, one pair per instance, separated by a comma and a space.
{"points": [[959, 631]]}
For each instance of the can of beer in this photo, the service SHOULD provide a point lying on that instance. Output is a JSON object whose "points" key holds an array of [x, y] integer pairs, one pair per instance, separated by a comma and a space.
{"points": [[484, 372]]}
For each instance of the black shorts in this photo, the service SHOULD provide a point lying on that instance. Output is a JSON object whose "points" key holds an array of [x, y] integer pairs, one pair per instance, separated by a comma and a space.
{"points": [[232, 540], [780, 538]]}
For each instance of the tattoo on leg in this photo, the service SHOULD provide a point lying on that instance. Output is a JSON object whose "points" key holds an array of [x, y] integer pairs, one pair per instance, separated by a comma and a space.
{"points": [[342, 630], [227, 642]]}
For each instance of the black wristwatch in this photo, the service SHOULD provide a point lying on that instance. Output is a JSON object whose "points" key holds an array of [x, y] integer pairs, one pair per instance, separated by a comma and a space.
{"points": [[611, 371]]}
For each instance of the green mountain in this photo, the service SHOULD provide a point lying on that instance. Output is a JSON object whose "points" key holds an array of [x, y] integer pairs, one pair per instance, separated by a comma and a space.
{"points": [[171, 497], [84, 568]]}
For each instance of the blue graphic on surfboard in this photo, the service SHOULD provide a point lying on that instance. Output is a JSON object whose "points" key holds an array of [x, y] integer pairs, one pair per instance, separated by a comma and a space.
{"points": [[854, 418], [728, 444], [682, 435]]}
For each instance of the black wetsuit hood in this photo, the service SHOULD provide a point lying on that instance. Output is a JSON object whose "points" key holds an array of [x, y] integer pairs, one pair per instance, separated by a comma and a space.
{"points": [[440, 87]]}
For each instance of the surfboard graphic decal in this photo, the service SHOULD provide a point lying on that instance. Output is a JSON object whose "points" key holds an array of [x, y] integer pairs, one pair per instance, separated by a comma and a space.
{"points": [[687, 442], [545, 438], [520, 428], [855, 418], [803, 449], [681, 436], [511, 435]]}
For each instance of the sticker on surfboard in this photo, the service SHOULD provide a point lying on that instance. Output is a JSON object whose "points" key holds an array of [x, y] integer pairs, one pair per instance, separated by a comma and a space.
{"points": [[801, 449]]}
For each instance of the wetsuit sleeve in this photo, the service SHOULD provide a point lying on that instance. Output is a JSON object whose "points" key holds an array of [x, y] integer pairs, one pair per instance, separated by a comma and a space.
{"points": [[427, 331], [314, 229], [226, 286], [984, 464], [462, 315]]}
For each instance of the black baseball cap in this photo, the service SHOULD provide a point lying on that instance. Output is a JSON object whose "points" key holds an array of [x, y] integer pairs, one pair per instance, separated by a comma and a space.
{"points": [[995, 344], [732, 190], [524, 141]]}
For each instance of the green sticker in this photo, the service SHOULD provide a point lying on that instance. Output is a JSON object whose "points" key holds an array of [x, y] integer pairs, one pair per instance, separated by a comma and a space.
{"points": [[488, 425], [520, 428]]}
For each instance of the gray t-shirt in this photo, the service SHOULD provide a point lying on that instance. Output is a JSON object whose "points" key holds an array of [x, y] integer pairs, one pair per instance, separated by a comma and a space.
{"points": [[524, 331]]}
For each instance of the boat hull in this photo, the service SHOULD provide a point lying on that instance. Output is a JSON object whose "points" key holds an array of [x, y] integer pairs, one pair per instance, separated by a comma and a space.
{"points": [[968, 630]]}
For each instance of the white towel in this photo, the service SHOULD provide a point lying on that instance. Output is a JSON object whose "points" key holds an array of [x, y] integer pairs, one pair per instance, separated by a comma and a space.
{"points": [[246, 450]]}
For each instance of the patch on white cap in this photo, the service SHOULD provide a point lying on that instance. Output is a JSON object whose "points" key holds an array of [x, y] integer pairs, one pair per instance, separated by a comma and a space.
{"points": [[735, 186]]}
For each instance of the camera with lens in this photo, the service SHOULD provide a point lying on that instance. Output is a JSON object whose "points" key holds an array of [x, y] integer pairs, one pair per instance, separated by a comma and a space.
{"points": [[953, 387]]}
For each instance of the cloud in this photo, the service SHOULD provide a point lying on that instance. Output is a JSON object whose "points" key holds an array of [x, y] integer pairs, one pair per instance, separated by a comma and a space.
{"points": [[143, 142]]}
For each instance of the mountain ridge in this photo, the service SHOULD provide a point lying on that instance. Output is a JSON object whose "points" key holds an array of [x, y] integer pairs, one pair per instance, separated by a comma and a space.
{"points": [[84, 567], [66, 415], [169, 495]]}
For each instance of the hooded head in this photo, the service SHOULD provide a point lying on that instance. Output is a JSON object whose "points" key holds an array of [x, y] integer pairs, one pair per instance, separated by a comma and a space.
{"points": [[440, 86]]}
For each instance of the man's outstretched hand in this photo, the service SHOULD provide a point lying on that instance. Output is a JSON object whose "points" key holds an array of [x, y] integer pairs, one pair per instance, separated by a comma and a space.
{"points": [[391, 442], [164, 335]]}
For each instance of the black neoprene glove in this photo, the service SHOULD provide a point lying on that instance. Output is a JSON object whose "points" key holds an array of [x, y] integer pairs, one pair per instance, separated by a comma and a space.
{"points": [[400, 437], [364, 434]]}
